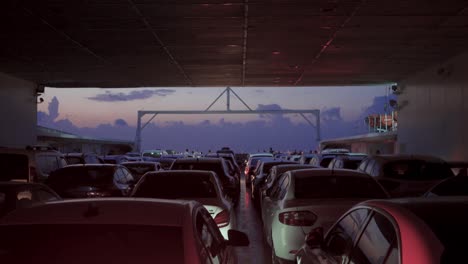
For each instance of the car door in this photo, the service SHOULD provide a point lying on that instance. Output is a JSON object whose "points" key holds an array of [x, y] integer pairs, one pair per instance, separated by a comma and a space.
{"points": [[213, 249], [340, 239], [273, 204]]}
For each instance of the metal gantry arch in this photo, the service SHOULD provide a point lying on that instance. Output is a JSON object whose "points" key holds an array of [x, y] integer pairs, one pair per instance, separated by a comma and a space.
{"points": [[228, 91]]}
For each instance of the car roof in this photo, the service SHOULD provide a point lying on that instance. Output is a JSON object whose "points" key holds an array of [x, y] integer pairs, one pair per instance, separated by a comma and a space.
{"points": [[395, 157], [175, 173], [315, 172], [139, 162], [411, 203], [198, 160], [19, 184], [139, 211], [90, 165]]}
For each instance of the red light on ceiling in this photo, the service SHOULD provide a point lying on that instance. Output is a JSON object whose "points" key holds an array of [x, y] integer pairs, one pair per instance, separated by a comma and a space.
{"points": [[276, 52]]}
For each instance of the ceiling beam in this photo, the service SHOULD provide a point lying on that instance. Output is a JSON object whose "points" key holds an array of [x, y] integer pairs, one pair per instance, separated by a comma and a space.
{"points": [[244, 46]]}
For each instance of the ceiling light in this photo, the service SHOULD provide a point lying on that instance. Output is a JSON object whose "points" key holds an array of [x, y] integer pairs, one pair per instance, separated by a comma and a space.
{"points": [[276, 52]]}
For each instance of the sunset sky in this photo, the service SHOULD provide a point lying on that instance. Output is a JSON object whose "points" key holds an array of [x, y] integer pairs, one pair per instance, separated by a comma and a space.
{"points": [[111, 113]]}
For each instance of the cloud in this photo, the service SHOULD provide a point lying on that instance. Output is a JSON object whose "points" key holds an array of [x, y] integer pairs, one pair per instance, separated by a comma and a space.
{"points": [[272, 130], [120, 122], [109, 96]]}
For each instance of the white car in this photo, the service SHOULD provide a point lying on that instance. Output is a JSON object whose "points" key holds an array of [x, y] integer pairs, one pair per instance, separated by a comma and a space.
{"points": [[303, 199], [201, 186], [115, 230]]}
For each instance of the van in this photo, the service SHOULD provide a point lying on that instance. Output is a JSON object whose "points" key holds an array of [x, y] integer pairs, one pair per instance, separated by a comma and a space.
{"points": [[31, 164]]}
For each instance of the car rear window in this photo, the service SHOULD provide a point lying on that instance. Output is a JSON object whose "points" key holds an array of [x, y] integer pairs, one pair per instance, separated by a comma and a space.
{"points": [[167, 186], [337, 187], [455, 186], [91, 244], [74, 160], [14, 166], [215, 167], [74, 176], [416, 170], [140, 168], [351, 164]]}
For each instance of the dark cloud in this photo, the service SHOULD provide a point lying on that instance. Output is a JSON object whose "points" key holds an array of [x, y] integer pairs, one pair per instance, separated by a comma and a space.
{"points": [[109, 96], [120, 122]]}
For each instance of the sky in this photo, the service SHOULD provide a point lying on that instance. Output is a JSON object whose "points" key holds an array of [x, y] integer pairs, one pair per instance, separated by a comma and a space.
{"points": [[112, 114]]}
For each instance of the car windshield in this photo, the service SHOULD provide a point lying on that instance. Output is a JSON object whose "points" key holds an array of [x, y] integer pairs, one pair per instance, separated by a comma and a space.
{"points": [[337, 187], [140, 168], [91, 244], [73, 176], [167, 186], [215, 167], [417, 170], [14, 166]]}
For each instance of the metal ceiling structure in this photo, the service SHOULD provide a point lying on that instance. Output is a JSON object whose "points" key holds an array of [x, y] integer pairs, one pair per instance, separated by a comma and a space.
{"points": [[227, 91], [202, 43]]}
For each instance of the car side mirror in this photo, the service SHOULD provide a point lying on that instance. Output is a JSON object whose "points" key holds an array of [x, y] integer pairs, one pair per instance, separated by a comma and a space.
{"points": [[314, 239], [237, 239]]}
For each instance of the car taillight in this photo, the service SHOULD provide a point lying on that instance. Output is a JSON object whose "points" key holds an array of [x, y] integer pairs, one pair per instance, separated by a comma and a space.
{"points": [[297, 218], [222, 219], [246, 170]]}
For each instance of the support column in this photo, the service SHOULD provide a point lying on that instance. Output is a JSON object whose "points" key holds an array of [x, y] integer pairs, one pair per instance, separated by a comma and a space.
{"points": [[18, 110]]}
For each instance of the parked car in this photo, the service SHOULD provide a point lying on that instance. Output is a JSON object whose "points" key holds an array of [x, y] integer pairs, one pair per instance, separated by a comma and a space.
{"points": [[217, 165], [304, 199], [114, 159], [82, 158], [324, 159], [234, 169], [252, 164], [116, 230], [274, 174], [453, 186], [31, 164], [349, 161], [166, 162], [406, 175], [134, 156], [305, 158], [139, 168], [154, 153], [91, 180], [400, 231], [201, 186], [258, 179], [459, 167], [15, 195]]}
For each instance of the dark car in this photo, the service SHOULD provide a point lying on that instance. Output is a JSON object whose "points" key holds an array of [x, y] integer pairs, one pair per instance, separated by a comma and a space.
{"points": [[91, 180], [406, 175], [252, 164], [139, 168], [349, 161], [218, 165], [15, 195], [82, 158], [454, 186], [261, 172], [234, 168]]}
